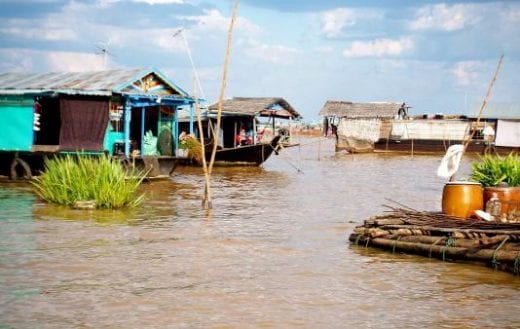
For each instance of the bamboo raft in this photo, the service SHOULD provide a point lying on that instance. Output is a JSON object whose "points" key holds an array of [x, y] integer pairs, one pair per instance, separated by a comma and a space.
{"points": [[434, 234]]}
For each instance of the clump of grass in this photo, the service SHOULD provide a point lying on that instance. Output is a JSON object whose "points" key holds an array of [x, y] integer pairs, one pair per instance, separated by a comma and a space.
{"points": [[492, 170], [80, 177], [191, 144]]}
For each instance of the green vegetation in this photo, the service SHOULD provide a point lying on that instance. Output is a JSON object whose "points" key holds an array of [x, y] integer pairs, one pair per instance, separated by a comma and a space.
{"points": [[72, 178], [492, 170], [192, 145]]}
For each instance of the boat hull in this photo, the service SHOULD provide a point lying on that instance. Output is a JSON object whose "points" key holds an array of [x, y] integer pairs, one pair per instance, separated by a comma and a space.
{"points": [[246, 155]]}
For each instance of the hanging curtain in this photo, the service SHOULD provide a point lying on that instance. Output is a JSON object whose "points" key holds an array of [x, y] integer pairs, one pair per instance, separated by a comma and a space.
{"points": [[83, 123]]}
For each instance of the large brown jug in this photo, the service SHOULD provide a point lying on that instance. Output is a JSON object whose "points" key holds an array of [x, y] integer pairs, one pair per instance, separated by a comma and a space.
{"points": [[461, 199], [509, 198]]}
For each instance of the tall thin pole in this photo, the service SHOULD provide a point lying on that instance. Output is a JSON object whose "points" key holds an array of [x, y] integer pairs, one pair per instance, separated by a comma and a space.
{"points": [[485, 101], [188, 50], [207, 196]]}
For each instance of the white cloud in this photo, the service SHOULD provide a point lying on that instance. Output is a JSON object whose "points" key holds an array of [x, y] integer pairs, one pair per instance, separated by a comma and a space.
{"points": [[103, 3], [73, 61], [325, 50], [378, 48], [214, 21], [275, 54], [160, 2], [29, 60], [511, 16], [335, 21], [445, 18], [466, 73], [16, 60], [48, 34]]}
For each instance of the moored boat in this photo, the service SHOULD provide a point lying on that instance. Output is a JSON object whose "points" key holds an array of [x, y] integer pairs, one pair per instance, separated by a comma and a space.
{"points": [[248, 134]]}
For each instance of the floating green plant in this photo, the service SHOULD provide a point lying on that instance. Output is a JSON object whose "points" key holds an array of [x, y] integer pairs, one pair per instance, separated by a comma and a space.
{"points": [[69, 179]]}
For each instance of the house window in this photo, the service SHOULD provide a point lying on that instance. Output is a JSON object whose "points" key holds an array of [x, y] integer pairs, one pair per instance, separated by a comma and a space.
{"points": [[116, 117]]}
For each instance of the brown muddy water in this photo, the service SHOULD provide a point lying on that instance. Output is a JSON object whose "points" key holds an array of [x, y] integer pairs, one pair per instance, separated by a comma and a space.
{"points": [[273, 253]]}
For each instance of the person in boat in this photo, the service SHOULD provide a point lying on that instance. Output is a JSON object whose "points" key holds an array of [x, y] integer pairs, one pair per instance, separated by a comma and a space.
{"points": [[183, 135], [241, 138]]}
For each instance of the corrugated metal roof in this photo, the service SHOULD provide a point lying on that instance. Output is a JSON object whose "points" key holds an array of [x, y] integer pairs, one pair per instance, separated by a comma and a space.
{"points": [[495, 110], [351, 110], [102, 83], [265, 106]]}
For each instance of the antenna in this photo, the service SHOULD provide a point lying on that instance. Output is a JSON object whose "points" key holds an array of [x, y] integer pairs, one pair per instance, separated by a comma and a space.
{"points": [[103, 50], [181, 33]]}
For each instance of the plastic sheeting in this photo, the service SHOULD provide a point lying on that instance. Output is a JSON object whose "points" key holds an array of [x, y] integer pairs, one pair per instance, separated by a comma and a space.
{"points": [[508, 133]]}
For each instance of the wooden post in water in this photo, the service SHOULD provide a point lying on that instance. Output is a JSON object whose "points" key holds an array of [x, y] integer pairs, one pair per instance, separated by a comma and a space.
{"points": [[319, 149], [206, 201]]}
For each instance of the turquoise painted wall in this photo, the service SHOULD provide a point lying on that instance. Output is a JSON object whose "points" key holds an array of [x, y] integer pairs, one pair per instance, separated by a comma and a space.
{"points": [[16, 125], [112, 137]]}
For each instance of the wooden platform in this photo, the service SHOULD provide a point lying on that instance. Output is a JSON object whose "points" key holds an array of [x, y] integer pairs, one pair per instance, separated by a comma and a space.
{"points": [[436, 235]]}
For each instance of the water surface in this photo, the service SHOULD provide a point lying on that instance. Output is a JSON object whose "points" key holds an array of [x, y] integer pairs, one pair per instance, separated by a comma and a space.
{"points": [[273, 253]]}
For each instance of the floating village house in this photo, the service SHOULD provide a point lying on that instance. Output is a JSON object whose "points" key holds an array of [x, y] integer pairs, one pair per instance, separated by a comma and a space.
{"points": [[358, 126], [388, 127], [126, 113]]}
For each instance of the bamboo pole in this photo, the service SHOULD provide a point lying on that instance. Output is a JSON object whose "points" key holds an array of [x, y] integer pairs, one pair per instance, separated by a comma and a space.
{"points": [[207, 200], [484, 103], [203, 149]]}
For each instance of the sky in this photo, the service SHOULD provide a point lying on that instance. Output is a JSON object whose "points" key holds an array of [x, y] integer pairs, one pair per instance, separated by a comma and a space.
{"points": [[438, 57]]}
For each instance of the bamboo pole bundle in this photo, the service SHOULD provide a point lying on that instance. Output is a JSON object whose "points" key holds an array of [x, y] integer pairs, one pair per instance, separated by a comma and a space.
{"points": [[437, 235]]}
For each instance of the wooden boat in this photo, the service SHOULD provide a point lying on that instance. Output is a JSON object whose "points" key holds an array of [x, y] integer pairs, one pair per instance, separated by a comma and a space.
{"points": [[246, 155], [243, 139]]}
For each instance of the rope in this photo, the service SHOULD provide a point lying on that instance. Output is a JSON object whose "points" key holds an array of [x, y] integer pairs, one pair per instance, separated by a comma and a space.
{"points": [[276, 150], [395, 243], [437, 241], [357, 240], [516, 264], [494, 261], [450, 242]]}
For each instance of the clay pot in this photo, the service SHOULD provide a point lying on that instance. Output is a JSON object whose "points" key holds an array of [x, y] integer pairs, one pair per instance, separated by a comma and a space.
{"points": [[509, 198], [461, 199]]}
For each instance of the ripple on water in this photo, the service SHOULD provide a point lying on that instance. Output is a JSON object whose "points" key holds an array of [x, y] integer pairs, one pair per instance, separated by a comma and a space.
{"points": [[272, 253]]}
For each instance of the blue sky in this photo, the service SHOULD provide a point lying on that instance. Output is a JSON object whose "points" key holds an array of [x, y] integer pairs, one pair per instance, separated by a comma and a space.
{"points": [[435, 56]]}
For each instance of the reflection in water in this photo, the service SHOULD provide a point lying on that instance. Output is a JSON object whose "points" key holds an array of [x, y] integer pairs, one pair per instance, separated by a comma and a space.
{"points": [[272, 253]]}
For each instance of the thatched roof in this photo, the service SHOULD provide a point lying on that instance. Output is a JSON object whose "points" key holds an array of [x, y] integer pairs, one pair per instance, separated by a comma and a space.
{"points": [[351, 110], [262, 106]]}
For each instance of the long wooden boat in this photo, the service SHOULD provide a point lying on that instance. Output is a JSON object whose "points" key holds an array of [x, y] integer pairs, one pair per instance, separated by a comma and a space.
{"points": [[246, 155]]}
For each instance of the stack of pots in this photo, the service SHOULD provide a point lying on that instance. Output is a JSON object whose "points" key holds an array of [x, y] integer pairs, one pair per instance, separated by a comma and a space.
{"points": [[461, 199]]}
